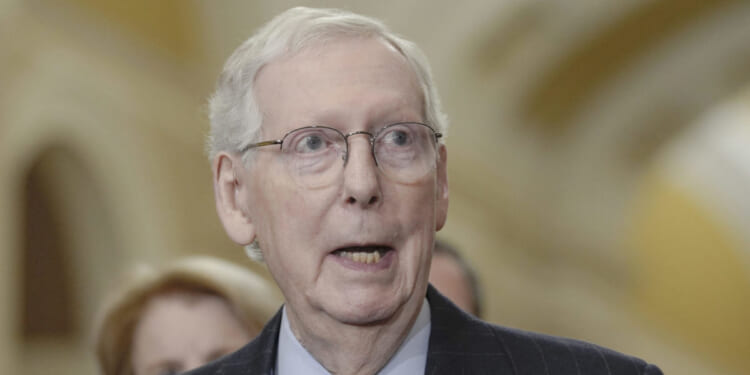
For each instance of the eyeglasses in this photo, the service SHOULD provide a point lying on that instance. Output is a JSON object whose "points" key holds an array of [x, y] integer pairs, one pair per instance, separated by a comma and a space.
{"points": [[404, 152]]}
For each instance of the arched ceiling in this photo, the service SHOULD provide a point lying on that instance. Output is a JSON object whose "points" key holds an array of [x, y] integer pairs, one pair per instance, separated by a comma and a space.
{"points": [[570, 103]]}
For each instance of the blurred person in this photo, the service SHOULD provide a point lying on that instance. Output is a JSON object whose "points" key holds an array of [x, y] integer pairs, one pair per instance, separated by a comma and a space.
{"points": [[170, 320], [452, 275], [328, 164]]}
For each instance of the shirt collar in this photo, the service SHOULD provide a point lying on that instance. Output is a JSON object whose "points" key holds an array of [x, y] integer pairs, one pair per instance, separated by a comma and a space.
{"points": [[410, 358]]}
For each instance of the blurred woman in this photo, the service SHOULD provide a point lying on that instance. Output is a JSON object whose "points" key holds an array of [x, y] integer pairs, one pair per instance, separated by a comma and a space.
{"points": [[187, 314]]}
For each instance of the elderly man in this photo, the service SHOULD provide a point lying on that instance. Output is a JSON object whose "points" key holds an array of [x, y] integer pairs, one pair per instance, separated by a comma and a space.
{"points": [[328, 163]]}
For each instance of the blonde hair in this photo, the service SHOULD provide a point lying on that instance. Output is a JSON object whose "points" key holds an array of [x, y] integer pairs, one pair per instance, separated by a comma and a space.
{"points": [[251, 297]]}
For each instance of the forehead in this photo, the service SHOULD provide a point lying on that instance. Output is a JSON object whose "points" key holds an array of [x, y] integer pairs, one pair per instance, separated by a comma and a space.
{"points": [[349, 80], [181, 317]]}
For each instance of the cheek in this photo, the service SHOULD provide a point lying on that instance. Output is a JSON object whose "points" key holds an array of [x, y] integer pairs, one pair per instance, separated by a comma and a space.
{"points": [[279, 208], [416, 213], [419, 209], [301, 214], [291, 226], [421, 216]]}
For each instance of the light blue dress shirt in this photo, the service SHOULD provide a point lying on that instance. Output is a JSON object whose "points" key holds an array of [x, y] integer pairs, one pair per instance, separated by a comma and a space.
{"points": [[293, 359]]}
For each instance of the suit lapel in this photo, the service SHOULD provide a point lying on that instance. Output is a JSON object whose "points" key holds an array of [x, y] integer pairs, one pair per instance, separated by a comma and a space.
{"points": [[259, 356], [460, 343]]}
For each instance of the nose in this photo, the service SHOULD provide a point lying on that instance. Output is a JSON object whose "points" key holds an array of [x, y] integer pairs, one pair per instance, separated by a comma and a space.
{"points": [[361, 180]]}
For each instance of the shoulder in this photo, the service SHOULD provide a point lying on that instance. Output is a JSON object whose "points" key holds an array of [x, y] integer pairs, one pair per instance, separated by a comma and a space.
{"points": [[567, 355], [465, 343]]}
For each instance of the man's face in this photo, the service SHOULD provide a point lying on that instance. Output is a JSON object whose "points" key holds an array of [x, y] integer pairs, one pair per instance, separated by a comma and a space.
{"points": [[311, 237]]}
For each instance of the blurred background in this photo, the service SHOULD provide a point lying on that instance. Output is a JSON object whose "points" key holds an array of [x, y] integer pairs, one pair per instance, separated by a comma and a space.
{"points": [[599, 163]]}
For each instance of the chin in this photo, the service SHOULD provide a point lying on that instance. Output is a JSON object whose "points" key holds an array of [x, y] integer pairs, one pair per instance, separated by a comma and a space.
{"points": [[371, 308], [365, 316], [368, 309]]}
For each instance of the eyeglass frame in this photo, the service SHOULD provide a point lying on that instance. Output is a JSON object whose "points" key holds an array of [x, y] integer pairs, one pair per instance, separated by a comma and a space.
{"points": [[437, 135]]}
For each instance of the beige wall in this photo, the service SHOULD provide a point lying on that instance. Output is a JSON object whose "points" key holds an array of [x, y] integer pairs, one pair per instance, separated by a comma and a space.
{"points": [[560, 193]]}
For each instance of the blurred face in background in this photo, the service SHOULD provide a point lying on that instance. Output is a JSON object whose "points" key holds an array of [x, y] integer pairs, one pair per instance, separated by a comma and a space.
{"points": [[451, 280], [182, 330]]}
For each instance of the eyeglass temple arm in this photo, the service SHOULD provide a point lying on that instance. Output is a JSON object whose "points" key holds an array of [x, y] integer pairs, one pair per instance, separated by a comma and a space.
{"points": [[260, 144]]}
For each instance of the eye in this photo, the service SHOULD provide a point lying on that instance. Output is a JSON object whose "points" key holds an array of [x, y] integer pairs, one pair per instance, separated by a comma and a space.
{"points": [[309, 141], [398, 137]]}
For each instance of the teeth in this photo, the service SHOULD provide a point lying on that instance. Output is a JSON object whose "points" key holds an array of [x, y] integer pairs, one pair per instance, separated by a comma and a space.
{"points": [[361, 256]]}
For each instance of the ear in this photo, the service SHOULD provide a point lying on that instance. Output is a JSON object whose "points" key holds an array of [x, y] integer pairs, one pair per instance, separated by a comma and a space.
{"points": [[230, 193], [442, 189]]}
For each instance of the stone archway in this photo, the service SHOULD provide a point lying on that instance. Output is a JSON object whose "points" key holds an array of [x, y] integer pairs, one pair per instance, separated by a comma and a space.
{"points": [[67, 228]]}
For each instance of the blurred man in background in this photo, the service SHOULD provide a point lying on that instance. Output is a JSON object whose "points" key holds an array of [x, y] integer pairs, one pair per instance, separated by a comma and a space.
{"points": [[452, 275]]}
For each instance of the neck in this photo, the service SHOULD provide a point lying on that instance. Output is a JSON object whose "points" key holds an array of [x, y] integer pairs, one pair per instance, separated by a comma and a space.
{"points": [[354, 349]]}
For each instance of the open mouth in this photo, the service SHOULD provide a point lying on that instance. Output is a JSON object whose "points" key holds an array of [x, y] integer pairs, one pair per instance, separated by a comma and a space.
{"points": [[363, 254]]}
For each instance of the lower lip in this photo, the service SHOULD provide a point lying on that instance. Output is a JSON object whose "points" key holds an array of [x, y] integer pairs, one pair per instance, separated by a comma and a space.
{"points": [[385, 262]]}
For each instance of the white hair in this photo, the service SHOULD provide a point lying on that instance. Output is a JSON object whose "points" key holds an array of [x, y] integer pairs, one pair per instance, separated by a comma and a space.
{"points": [[233, 111]]}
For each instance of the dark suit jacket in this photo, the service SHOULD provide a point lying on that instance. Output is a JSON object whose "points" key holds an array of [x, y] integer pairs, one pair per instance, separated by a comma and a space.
{"points": [[461, 344]]}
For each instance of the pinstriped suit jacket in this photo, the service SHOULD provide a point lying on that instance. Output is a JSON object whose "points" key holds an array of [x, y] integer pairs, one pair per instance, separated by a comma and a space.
{"points": [[461, 344]]}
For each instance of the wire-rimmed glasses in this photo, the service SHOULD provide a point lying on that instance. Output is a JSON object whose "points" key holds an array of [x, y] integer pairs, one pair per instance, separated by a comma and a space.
{"points": [[405, 152]]}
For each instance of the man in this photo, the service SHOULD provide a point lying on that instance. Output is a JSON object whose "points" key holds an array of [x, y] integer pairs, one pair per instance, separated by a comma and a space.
{"points": [[455, 278], [328, 162]]}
